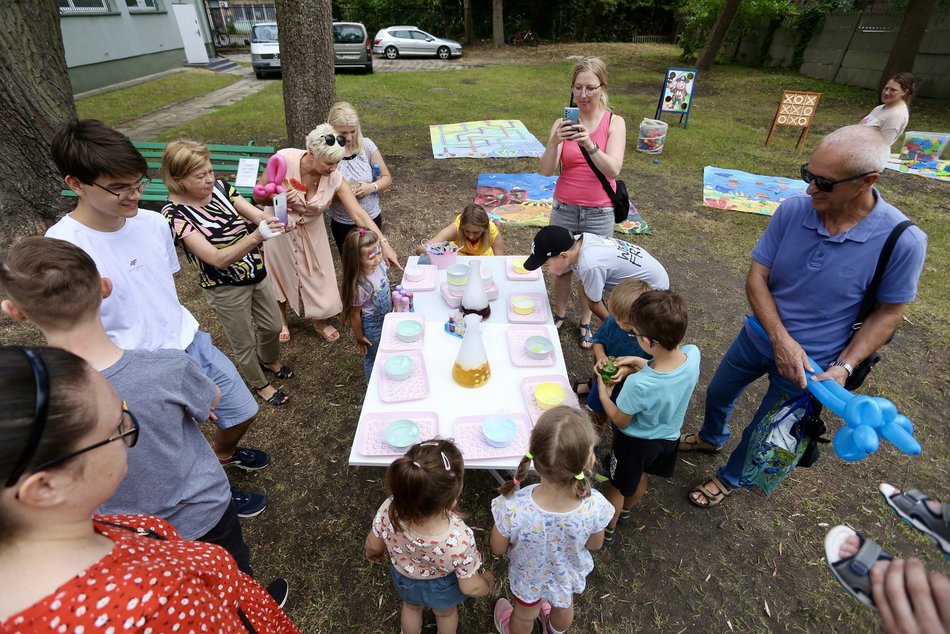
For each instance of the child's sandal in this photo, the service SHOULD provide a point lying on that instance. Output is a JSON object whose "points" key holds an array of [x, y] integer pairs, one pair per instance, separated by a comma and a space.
{"points": [[586, 340], [610, 535], [559, 321]]}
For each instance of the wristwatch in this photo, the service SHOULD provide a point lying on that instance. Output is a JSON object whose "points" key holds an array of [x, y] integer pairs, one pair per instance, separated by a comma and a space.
{"points": [[843, 364], [595, 150]]}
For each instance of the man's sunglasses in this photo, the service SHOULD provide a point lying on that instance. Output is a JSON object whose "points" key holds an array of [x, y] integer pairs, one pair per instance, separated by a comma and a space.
{"points": [[826, 184]]}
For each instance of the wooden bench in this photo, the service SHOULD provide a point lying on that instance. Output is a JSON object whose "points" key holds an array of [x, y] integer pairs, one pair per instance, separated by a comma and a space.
{"points": [[224, 161]]}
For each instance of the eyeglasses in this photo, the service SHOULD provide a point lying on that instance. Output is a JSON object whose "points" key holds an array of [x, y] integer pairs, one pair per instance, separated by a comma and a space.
{"points": [[127, 431], [636, 335], [826, 184], [590, 90], [339, 139], [124, 192]]}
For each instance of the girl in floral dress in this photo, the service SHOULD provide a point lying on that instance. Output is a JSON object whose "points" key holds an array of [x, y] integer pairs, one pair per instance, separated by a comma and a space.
{"points": [[549, 529]]}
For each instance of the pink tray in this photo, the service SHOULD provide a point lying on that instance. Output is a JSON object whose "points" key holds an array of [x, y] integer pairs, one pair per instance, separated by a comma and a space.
{"points": [[467, 433], [453, 300], [412, 389], [538, 316], [374, 442], [527, 390], [427, 283], [389, 341], [519, 277], [517, 335]]}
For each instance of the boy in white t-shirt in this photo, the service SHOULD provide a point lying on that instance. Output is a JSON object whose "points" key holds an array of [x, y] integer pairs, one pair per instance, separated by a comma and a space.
{"points": [[600, 262], [133, 248]]}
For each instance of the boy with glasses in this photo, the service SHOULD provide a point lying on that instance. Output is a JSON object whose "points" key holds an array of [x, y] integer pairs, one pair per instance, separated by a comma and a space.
{"points": [[133, 248]]}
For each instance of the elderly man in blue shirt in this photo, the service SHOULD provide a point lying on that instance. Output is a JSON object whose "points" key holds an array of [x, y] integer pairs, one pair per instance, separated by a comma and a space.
{"points": [[810, 271]]}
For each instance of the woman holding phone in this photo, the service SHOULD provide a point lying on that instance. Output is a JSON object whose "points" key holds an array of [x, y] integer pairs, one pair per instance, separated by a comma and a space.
{"points": [[210, 220], [580, 203]]}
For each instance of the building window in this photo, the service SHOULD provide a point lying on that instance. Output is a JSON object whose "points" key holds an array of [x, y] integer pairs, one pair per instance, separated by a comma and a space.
{"points": [[143, 5], [69, 7]]}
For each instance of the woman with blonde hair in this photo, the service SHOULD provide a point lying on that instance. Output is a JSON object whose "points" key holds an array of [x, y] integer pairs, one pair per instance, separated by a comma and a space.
{"points": [[580, 202], [362, 167], [300, 261]]}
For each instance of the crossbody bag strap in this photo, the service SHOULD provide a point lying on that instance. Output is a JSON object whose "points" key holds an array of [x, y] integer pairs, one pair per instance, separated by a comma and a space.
{"points": [[600, 176], [867, 304]]}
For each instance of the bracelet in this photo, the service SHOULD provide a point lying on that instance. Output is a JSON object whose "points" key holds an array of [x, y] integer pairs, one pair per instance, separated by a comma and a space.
{"points": [[376, 187], [386, 240], [594, 151], [843, 364]]}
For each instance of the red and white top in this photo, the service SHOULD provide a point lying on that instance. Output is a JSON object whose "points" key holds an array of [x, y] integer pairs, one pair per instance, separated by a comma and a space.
{"points": [[154, 585]]}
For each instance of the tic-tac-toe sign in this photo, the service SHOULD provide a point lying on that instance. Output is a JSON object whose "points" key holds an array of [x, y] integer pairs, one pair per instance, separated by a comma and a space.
{"points": [[676, 96], [795, 110]]}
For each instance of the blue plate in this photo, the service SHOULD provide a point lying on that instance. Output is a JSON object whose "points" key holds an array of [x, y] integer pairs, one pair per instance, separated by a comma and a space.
{"points": [[499, 430], [401, 433]]}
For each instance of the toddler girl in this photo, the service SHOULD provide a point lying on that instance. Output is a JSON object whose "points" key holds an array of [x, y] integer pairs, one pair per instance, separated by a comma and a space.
{"points": [[365, 293], [548, 529], [473, 232], [434, 562]]}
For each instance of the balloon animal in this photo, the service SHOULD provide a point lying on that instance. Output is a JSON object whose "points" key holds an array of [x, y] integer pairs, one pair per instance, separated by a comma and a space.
{"points": [[276, 172]]}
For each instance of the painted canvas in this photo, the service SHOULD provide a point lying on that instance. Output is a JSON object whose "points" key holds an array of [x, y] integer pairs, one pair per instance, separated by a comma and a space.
{"points": [[496, 138], [676, 95], [526, 199], [751, 193]]}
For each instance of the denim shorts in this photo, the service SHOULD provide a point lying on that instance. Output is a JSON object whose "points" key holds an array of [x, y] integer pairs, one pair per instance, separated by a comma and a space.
{"points": [[581, 219], [441, 593], [237, 403]]}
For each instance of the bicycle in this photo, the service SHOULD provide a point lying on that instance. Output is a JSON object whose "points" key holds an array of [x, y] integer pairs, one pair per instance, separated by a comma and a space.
{"points": [[222, 39], [526, 38]]}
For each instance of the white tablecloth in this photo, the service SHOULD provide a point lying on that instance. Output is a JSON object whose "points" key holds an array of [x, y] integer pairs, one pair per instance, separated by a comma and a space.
{"points": [[502, 393]]}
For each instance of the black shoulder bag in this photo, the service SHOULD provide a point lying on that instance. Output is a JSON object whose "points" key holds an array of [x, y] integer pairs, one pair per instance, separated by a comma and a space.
{"points": [[620, 198], [864, 368]]}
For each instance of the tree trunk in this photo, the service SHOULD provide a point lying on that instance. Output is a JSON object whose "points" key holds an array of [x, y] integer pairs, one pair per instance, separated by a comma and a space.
{"points": [[718, 34], [498, 23], [35, 99], [306, 63], [914, 23], [469, 24]]}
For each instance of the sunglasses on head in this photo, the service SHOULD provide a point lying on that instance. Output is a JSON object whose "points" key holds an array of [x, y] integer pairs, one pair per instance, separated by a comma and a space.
{"points": [[826, 184], [339, 139]]}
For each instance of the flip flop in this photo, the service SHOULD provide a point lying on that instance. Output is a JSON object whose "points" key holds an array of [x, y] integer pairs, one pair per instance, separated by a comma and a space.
{"points": [[578, 385], [853, 572], [911, 507], [586, 340], [692, 441], [712, 499]]}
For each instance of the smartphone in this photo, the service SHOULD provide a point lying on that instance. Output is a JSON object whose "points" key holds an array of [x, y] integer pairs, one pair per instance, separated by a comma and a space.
{"points": [[280, 207], [571, 114]]}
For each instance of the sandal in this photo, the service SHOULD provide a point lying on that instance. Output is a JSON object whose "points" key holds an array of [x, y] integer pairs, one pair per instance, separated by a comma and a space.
{"points": [[328, 332], [284, 336], [586, 340], [276, 399], [712, 498], [283, 373], [559, 321], [610, 537], [912, 508], [694, 442], [853, 572], [578, 385]]}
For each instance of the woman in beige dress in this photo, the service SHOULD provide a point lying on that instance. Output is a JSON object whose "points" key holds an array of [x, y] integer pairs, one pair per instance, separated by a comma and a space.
{"points": [[300, 262]]}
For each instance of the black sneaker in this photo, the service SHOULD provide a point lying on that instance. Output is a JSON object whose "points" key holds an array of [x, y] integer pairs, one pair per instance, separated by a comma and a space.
{"points": [[248, 504], [247, 459], [280, 590]]}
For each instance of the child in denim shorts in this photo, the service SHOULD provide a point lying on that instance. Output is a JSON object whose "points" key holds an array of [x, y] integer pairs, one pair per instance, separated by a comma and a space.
{"points": [[434, 561]]}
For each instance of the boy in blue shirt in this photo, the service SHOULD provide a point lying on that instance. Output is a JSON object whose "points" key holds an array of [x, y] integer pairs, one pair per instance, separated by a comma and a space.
{"points": [[651, 406]]}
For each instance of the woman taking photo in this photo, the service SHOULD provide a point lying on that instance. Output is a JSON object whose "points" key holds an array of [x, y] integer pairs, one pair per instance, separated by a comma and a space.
{"points": [[64, 434], [210, 220], [360, 157], [300, 262], [892, 115], [580, 202]]}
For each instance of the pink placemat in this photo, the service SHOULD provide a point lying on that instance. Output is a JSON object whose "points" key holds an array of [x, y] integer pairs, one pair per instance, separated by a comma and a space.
{"points": [[527, 390], [519, 277], [538, 316], [427, 283], [412, 389], [390, 341], [454, 301], [467, 433], [374, 442], [517, 335]]}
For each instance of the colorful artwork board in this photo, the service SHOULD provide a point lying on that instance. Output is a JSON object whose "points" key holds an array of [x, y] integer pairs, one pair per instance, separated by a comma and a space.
{"points": [[496, 138], [937, 170], [751, 193], [526, 199], [676, 96], [796, 109]]}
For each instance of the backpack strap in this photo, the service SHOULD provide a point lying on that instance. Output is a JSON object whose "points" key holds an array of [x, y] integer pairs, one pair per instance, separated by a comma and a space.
{"points": [[867, 304], [600, 176]]}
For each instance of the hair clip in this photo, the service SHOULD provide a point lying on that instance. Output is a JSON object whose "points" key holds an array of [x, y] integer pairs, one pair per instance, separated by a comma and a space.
{"points": [[361, 231], [580, 476], [445, 461], [417, 464], [528, 455]]}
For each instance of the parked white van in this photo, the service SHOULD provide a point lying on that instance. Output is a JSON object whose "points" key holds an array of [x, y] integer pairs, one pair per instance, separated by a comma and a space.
{"points": [[351, 47], [265, 49]]}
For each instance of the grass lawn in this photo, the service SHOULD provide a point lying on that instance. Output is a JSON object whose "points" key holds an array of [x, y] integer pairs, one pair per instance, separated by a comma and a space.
{"points": [[754, 564]]}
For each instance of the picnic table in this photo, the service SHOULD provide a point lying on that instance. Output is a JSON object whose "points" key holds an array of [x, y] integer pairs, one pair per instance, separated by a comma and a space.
{"points": [[436, 402]]}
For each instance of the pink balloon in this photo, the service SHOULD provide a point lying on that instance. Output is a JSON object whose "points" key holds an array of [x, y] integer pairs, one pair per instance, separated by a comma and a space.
{"points": [[259, 191], [276, 169], [269, 188]]}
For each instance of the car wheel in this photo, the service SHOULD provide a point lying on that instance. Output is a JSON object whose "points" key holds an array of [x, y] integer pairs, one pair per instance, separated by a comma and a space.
{"points": [[443, 52], [259, 74], [391, 52], [368, 69]]}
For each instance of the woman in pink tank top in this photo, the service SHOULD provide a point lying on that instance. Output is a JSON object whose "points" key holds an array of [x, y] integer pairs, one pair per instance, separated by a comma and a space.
{"points": [[580, 202]]}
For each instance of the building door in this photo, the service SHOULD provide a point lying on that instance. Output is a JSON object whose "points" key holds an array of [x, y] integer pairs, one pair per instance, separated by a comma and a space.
{"points": [[190, 31]]}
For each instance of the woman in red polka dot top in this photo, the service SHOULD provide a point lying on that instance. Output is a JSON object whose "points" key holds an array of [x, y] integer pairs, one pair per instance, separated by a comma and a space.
{"points": [[64, 434]]}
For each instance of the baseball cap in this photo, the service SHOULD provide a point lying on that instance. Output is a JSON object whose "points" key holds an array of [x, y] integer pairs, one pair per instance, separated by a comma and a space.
{"points": [[548, 242]]}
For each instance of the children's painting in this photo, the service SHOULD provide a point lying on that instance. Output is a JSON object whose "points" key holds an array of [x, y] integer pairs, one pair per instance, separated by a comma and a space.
{"points": [[676, 95], [526, 199], [497, 138], [750, 193], [921, 154]]}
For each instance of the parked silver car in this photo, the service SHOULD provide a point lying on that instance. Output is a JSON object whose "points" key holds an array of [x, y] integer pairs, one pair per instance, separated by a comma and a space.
{"points": [[399, 41], [351, 47]]}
